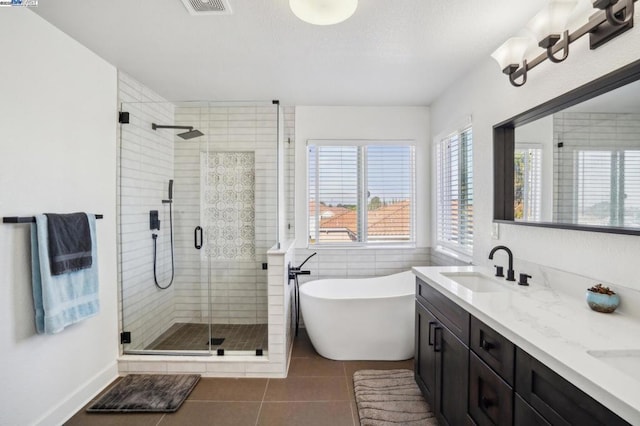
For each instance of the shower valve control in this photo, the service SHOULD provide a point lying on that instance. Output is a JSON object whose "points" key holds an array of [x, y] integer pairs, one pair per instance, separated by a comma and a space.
{"points": [[154, 221]]}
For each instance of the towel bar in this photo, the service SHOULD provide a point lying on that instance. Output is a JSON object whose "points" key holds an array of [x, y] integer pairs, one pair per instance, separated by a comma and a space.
{"points": [[29, 219]]}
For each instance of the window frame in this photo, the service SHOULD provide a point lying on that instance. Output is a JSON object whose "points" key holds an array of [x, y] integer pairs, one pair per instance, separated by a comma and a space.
{"points": [[535, 152], [362, 198], [443, 239]]}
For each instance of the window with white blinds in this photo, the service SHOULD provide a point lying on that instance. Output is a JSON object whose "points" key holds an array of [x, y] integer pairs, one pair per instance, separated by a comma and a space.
{"points": [[527, 183], [454, 191], [607, 187], [361, 193]]}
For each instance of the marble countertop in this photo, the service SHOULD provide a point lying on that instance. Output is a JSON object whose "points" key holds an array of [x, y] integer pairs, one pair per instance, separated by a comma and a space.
{"points": [[561, 331]]}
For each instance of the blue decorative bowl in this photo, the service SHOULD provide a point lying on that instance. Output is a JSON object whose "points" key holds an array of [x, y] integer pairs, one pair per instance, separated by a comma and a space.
{"points": [[599, 302]]}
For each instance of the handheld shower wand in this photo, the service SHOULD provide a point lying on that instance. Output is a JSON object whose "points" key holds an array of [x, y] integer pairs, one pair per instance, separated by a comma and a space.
{"points": [[155, 238], [170, 200]]}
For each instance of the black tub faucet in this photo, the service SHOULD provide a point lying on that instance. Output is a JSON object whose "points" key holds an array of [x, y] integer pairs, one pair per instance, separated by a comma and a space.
{"points": [[296, 270], [510, 272]]}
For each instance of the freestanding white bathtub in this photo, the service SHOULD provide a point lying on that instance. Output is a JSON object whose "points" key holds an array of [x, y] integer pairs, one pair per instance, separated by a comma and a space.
{"points": [[361, 319]]}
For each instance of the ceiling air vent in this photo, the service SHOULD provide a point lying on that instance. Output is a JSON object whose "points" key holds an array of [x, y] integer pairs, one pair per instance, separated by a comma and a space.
{"points": [[207, 7]]}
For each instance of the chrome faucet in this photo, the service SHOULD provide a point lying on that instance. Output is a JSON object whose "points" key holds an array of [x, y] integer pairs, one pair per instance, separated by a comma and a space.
{"points": [[510, 272]]}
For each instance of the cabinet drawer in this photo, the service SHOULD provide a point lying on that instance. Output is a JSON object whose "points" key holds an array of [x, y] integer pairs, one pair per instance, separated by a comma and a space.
{"points": [[454, 317], [490, 397], [557, 400], [493, 348]]}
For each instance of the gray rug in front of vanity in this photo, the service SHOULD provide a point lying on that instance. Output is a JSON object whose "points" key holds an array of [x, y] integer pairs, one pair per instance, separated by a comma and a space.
{"points": [[390, 397], [146, 393]]}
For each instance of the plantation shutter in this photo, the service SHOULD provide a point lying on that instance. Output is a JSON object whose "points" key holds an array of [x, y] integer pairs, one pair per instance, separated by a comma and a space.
{"points": [[454, 191]]}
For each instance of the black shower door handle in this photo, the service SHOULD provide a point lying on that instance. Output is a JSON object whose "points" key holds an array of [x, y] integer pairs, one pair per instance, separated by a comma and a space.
{"points": [[197, 233]]}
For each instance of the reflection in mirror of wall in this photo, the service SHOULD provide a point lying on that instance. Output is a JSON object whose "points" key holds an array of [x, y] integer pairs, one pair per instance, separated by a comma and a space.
{"points": [[576, 166]]}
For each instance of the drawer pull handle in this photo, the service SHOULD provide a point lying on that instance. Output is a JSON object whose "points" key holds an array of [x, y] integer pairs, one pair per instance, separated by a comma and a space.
{"points": [[487, 346], [430, 340], [437, 339], [486, 402]]}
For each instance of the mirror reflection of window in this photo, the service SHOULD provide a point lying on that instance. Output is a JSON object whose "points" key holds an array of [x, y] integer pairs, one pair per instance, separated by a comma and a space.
{"points": [[597, 169], [607, 190], [528, 182]]}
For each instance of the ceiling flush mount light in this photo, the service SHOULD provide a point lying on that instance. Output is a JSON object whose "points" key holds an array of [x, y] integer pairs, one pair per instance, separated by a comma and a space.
{"points": [[323, 12], [609, 19]]}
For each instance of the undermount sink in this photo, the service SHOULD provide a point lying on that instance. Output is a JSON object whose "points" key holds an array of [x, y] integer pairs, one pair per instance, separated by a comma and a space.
{"points": [[625, 361], [474, 281]]}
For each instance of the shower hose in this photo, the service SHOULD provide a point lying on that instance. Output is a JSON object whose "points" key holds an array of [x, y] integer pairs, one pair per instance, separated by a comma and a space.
{"points": [[155, 252]]}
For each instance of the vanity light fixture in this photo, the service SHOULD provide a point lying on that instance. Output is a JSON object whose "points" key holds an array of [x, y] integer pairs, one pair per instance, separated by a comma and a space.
{"points": [[323, 12], [549, 27]]}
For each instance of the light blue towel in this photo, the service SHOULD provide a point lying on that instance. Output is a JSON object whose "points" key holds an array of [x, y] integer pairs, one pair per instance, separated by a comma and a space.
{"points": [[61, 300]]}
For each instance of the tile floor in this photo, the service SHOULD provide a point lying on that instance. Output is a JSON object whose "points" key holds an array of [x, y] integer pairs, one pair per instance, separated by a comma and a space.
{"points": [[191, 336], [316, 392]]}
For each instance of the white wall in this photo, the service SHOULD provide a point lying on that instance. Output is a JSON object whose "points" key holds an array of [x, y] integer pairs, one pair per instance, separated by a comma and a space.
{"points": [[376, 123], [57, 154], [487, 95]]}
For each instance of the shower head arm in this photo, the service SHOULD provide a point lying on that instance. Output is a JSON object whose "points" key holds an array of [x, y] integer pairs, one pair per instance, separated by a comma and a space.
{"points": [[155, 126]]}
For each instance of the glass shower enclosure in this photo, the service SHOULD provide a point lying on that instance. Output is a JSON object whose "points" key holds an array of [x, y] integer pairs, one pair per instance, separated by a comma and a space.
{"points": [[197, 214]]}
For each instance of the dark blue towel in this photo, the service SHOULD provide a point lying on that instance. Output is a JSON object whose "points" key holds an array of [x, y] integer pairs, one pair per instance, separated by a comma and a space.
{"points": [[69, 242]]}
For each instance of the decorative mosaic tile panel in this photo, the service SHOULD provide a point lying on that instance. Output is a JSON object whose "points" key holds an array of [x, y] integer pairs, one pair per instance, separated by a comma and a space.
{"points": [[229, 205]]}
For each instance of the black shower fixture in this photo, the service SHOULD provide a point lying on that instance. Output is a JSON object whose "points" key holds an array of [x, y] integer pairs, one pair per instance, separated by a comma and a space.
{"points": [[189, 134]]}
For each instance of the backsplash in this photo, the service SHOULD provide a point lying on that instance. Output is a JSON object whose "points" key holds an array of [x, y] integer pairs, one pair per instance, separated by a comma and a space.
{"points": [[576, 285]]}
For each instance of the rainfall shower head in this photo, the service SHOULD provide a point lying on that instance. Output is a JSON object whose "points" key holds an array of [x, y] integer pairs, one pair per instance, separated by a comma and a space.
{"points": [[189, 134]]}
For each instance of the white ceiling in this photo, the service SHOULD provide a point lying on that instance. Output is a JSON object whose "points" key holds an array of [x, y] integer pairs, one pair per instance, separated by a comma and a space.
{"points": [[393, 52]]}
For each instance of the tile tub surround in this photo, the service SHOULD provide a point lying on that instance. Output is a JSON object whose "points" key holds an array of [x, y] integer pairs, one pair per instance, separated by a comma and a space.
{"points": [[558, 329]]}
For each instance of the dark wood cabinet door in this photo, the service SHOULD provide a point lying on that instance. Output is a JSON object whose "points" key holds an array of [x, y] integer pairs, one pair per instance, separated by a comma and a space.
{"points": [[557, 400], [525, 415], [425, 357], [452, 377], [490, 397]]}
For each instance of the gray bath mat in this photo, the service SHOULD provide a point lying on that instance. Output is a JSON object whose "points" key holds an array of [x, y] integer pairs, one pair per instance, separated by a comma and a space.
{"points": [[390, 397], [146, 393]]}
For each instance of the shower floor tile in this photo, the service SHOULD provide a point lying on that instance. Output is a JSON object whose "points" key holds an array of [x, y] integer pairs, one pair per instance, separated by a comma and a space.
{"points": [[192, 336]]}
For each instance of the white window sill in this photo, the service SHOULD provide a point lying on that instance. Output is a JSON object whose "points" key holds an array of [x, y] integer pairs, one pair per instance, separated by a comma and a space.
{"points": [[455, 254]]}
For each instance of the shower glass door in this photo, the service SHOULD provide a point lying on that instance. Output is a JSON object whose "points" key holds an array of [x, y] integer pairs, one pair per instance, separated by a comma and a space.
{"points": [[197, 214], [239, 216]]}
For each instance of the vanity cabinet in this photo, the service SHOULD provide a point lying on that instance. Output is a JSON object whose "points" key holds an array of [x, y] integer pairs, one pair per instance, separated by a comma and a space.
{"points": [[472, 375], [442, 357], [555, 399]]}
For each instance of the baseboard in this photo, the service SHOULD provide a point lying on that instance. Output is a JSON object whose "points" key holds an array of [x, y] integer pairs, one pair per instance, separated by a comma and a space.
{"points": [[73, 403]]}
